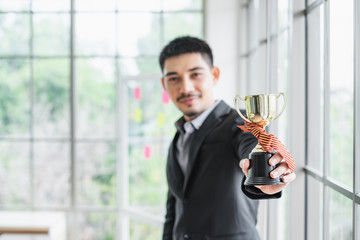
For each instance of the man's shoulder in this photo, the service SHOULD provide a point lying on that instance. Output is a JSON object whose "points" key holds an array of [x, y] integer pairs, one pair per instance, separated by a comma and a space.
{"points": [[229, 113], [222, 108]]}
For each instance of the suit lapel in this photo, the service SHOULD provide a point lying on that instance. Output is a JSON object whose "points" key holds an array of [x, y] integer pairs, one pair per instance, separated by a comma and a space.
{"points": [[174, 174], [199, 136]]}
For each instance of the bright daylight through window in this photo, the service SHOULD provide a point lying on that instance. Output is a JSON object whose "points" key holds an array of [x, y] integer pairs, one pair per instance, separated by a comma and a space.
{"points": [[84, 124]]}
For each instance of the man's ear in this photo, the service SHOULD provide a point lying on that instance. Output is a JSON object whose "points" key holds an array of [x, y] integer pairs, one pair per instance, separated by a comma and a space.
{"points": [[163, 83], [216, 73]]}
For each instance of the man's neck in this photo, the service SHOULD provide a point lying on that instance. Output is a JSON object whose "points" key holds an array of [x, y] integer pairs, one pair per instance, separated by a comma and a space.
{"points": [[192, 117]]}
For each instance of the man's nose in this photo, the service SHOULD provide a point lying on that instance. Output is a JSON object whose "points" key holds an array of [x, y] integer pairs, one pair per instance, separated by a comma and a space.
{"points": [[186, 85]]}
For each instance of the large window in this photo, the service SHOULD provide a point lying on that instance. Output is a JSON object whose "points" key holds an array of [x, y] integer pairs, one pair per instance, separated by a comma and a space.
{"points": [[84, 123], [310, 50], [265, 59], [333, 108]]}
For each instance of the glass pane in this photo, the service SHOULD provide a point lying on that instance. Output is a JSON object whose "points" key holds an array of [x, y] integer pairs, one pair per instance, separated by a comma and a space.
{"points": [[139, 5], [314, 200], [180, 24], [14, 5], [283, 221], [136, 66], [52, 174], [95, 34], [96, 225], [53, 5], [52, 98], [275, 49], [340, 222], [95, 5], [171, 115], [14, 174], [282, 73], [143, 107], [257, 71], [141, 37], [147, 182], [14, 97], [315, 64], [273, 16], [96, 174], [148, 113], [140, 231], [258, 8], [341, 90], [14, 34], [279, 82], [283, 13], [173, 5], [51, 34], [309, 2], [256, 24], [96, 98]]}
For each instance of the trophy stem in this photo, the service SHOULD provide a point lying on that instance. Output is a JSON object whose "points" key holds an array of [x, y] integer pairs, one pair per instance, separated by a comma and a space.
{"points": [[258, 148]]}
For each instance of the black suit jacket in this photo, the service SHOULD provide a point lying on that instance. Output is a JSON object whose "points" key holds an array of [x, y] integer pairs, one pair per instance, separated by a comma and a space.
{"points": [[209, 202]]}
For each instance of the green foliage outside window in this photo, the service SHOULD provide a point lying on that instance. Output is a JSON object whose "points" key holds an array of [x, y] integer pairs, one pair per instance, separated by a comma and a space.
{"points": [[35, 116], [14, 97]]}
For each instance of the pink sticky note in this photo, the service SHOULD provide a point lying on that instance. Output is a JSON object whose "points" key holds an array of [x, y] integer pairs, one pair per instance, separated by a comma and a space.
{"points": [[147, 152], [165, 97], [137, 93]]}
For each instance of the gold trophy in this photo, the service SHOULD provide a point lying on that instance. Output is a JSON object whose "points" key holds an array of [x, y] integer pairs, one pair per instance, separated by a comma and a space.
{"points": [[260, 110]]}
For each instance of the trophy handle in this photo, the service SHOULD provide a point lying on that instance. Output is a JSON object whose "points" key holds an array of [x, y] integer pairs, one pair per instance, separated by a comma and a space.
{"points": [[237, 108], [284, 105]]}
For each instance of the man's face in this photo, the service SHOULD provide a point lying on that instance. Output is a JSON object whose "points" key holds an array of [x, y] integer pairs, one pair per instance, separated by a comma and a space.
{"points": [[189, 82]]}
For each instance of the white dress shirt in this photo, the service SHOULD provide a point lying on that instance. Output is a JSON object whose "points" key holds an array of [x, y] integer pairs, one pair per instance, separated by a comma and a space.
{"points": [[186, 129]]}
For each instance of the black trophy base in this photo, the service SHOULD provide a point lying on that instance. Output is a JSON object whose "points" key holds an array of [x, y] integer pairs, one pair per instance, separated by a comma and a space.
{"points": [[259, 170]]}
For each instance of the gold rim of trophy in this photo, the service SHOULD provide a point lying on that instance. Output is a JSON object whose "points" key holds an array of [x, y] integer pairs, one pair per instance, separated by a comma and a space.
{"points": [[261, 107]]}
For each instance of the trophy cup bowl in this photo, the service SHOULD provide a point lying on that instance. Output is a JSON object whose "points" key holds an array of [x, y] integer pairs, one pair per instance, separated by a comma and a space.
{"points": [[260, 110]]}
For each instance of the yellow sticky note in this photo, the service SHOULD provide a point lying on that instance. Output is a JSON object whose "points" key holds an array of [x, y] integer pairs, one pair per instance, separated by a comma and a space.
{"points": [[161, 119], [138, 115]]}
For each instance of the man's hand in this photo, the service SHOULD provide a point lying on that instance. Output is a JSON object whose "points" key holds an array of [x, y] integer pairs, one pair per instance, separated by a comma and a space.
{"points": [[282, 169]]}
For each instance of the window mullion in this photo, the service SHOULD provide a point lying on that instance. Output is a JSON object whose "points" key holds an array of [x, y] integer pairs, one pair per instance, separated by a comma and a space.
{"points": [[356, 159], [326, 192], [31, 95], [73, 202]]}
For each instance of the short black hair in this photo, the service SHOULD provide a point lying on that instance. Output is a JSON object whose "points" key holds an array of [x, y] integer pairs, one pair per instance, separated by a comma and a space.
{"points": [[186, 44]]}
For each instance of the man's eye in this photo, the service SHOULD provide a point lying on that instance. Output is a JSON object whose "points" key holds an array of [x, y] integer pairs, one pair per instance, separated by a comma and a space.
{"points": [[196, 74], [172, 79]]}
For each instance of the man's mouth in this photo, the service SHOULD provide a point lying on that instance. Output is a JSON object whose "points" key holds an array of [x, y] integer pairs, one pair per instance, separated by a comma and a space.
{"points": [[188, 99]]}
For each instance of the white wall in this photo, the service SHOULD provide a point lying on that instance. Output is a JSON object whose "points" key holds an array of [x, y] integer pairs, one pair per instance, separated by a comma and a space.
{"points": [[221, 32]]}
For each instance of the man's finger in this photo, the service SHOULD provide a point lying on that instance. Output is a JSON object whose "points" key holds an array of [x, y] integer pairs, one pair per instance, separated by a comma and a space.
{"points": [[245, 164], [280, 170], [289, 178], [275, 159]]}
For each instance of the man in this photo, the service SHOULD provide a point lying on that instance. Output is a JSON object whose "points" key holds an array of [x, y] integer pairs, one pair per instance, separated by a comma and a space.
{"points": [[207, 198]]}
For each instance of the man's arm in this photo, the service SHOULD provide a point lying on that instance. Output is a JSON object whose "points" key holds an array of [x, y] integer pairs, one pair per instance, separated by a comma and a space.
{"points": [[169, 217], [244, 143]]}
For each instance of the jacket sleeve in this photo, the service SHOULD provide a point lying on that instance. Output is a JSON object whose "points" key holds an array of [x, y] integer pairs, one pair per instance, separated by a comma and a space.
{"points": [[169, 217], [255, 193]]}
